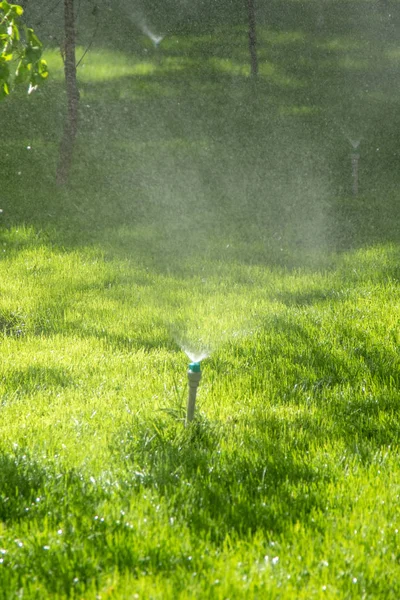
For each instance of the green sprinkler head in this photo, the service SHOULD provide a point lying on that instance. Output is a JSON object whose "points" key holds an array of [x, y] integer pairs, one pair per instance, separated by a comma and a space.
{"points": [[194, 367]]}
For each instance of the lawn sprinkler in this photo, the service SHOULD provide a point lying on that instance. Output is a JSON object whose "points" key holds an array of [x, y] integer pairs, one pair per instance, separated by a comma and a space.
{"points": [[355, 157], [156, 39], [194, 376]]}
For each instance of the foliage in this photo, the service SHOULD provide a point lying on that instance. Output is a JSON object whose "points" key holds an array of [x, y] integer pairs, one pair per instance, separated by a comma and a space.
{"points": [[31, 68]]}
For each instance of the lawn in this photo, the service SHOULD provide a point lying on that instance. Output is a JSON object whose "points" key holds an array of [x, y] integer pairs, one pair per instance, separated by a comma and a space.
{"points": [[205, 212]]}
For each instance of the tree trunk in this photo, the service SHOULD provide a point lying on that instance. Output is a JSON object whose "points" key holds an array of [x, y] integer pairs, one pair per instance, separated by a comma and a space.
{"points": [[71, 122], [252, 38]]}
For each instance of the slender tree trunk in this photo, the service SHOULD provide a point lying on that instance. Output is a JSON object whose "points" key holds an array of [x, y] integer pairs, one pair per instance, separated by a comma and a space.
{"points": [[71, 122], [252, 37]]}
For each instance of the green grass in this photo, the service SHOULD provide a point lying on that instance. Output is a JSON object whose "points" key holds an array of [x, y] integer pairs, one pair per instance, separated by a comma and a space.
{"points": [[205, 211]]}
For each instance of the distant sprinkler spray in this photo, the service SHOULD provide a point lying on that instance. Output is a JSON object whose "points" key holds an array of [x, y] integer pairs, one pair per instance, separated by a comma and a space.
{"points": [[194, 376], [156, 39], [355, 157]]}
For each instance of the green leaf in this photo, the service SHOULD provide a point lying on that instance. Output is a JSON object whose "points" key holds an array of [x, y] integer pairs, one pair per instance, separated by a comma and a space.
{"points": [[43, 69], [4, 71], [23, 73], [4, 90], [32, 54], [5, 6], [15, 32], [17, 10], [32, 38]]}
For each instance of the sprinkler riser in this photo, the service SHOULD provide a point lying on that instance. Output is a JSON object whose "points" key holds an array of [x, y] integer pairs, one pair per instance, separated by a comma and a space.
{"points": [[355, 157], [193, 380]]}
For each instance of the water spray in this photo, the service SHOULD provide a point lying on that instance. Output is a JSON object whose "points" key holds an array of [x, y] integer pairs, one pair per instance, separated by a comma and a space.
{"points": [[194, 376], [156, 39]]}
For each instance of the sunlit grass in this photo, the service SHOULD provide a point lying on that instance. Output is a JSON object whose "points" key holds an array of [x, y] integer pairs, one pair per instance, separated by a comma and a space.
{"points": [[273, 37], [297, 413], [298, 110], [354, 63], [343, 44], [100, 65], [393, 54]]}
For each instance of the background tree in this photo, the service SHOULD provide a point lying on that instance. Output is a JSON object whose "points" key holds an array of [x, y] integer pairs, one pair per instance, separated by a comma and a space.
{"points": [[71, 121], [252, 38]]}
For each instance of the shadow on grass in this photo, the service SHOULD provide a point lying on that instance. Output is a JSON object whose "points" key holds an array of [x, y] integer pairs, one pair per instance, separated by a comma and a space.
{"points": [[131, 341], [352, 385], [35, 490], [31, 488], [21, 482], [215, 490], [35, 379]]}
